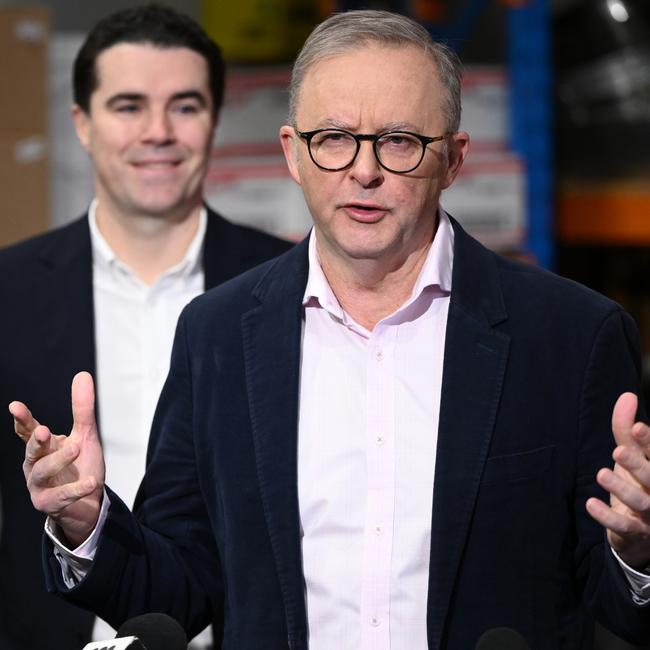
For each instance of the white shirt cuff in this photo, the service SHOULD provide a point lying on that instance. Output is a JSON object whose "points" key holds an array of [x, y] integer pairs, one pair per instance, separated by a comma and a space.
{"points": [[639, 582], [75, 563]]}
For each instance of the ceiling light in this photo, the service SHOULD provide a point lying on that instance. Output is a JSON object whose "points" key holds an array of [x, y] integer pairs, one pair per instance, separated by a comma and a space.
{"points": [[618, 11]]}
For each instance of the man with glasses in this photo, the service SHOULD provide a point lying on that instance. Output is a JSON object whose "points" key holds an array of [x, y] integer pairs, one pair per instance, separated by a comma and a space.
{"points": [[389, 439]]}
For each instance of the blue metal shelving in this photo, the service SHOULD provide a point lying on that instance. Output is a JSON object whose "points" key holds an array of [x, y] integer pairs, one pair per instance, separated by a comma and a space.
{"points": [[529, 65]]}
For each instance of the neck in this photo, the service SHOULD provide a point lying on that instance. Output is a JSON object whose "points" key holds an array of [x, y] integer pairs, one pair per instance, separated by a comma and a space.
{"points": [[148, 244], [370, 290]]}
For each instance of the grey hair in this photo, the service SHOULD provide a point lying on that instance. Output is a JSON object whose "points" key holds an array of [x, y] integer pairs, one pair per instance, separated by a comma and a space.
{"points": [[347, 31]]}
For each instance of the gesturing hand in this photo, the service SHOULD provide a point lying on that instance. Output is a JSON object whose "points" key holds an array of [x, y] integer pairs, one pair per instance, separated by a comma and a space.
{"points": [[627, 518], [65, 474]]}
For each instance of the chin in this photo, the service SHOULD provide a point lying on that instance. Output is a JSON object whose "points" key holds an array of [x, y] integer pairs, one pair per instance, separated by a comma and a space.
{"points": [[160, 205], [366, 252]]}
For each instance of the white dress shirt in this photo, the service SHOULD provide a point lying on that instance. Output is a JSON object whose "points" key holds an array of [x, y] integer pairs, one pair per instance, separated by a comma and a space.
{"points": [[369, 408], [134, 331]]}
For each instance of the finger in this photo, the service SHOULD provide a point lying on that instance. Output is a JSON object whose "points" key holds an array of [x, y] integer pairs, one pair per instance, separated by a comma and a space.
{"points": [[24, 421], [51, 465], [38, 445], [83, 401], [635, 464], [617, 522], [641, 435], [623, 417], [627, 492], [53, 500]]}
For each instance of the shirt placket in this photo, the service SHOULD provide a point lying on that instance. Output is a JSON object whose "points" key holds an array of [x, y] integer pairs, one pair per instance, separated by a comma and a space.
{"points": [[149, 339], [380, 505]]}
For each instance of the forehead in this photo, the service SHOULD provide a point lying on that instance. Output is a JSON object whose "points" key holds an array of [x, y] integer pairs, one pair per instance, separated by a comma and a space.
{"points": [[374, 84], [144, 68]]}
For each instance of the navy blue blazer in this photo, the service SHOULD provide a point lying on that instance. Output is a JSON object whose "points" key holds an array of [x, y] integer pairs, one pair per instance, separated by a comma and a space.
{"points": [[48, 335], [533, 365]]}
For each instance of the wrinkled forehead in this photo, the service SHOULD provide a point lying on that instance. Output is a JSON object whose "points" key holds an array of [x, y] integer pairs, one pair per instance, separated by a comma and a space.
{"points": [[375, 83]]}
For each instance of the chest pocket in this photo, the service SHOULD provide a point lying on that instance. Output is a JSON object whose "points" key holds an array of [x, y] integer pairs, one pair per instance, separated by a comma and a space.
{"points": [[517, 467]]}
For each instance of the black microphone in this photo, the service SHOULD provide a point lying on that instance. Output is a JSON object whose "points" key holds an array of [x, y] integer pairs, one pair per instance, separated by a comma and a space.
{"points": [[155, 631], [502, 638], [146, 632], [126, 643]]}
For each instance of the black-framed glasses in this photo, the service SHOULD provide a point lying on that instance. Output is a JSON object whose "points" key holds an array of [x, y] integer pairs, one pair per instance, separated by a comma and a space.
{"points": [[399, 152]]}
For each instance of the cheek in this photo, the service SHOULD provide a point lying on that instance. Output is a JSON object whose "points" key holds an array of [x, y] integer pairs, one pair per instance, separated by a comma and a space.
{"points": [[320, 197], [197, 137], [107, 145], [416, 197]]}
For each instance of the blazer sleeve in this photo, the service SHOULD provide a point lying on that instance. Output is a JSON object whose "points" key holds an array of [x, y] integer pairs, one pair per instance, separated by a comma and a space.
{"points": [[163, 557], [613, 368]]}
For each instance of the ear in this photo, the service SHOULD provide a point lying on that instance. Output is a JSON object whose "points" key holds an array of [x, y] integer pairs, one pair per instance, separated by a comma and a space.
{"points": [[289, 140], [81, 121], [457, 149]]}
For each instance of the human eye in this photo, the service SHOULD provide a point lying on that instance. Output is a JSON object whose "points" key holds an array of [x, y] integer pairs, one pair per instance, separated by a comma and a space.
{"points": [[186, 108], [126, 107], [332, 139], [398, 141], [398, 144]]}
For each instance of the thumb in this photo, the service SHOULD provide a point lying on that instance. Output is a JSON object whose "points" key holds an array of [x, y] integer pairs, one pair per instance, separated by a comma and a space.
{"points": [[83, 401], [623, 417]]}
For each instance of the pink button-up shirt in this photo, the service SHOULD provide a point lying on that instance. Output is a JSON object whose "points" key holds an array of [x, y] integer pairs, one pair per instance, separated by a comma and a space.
{"points": [[369, 410]]}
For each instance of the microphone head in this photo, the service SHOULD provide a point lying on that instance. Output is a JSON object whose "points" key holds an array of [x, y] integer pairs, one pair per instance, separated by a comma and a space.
{"points": [[155, 631], [502, 638]]}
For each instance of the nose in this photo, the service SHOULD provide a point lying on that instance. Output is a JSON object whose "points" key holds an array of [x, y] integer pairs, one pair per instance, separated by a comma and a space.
{"points": [[158, 128], [366, 169]]}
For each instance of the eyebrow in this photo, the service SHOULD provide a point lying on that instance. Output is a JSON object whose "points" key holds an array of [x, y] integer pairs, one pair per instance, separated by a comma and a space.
{"points": [[139, 97], [385, 128]]}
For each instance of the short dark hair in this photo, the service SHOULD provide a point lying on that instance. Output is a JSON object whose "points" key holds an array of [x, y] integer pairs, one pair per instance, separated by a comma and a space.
{"points": [[152, 24]]}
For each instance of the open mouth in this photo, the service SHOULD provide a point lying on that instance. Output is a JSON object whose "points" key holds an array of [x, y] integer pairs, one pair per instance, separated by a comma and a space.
{"points": [[365, 212]]}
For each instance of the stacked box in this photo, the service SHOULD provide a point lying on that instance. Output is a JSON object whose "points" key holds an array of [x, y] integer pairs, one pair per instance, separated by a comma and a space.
{"points": [[24, 205]]}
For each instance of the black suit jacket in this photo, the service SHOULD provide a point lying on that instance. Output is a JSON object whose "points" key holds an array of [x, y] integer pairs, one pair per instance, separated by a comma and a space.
{"points": [[47, 334], [533, 364]]}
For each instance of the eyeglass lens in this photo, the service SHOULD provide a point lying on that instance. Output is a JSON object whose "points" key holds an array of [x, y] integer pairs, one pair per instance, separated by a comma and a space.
{"points": [[336, 150]]}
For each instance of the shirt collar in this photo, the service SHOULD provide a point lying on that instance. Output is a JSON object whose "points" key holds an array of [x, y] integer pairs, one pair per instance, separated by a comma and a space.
{"points": [[105, 257], [436, 270]]}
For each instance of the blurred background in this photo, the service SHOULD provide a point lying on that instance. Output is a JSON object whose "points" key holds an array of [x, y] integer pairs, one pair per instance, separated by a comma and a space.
{"points": [[556, 98]]}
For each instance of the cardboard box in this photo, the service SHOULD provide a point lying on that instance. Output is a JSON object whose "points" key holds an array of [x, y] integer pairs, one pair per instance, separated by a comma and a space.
{"points": [[24, 177], [24, 173], [23, 61]]}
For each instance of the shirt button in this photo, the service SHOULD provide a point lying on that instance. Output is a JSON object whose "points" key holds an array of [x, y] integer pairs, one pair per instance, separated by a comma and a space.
{"points": [[377, 530], [379, 440], [379, 355], [375, 621]]}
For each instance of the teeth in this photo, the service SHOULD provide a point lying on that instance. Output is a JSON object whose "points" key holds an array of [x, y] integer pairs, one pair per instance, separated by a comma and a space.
{"points": [[156, 163]]}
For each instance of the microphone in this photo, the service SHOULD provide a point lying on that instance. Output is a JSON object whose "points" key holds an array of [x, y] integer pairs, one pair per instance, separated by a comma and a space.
{"points": [[156, 632], [146, 632], [127, 643], [502, 638]]}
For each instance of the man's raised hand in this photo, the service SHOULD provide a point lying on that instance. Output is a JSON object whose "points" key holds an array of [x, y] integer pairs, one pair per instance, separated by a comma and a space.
{"points": [[65, 474], [627, 517]]}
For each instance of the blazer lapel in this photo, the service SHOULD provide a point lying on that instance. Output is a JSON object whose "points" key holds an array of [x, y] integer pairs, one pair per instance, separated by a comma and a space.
{"points": [[65, 295], [272, 339], [473, 371], [67, 292], [220, 256]]}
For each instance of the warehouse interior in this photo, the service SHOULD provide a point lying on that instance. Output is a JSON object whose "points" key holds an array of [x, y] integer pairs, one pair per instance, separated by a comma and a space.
{"points": [[557, 101]]}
